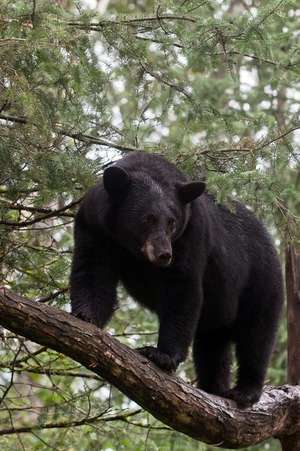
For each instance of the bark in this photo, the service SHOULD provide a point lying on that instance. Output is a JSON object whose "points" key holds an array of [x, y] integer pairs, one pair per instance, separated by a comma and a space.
{"points": [[292, 274], [293, 312], [176, 403], [291, 443]]}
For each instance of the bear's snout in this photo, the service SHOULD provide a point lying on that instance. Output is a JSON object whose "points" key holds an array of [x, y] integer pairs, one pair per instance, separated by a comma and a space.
{"points": [[158, 253], [164, 259]]}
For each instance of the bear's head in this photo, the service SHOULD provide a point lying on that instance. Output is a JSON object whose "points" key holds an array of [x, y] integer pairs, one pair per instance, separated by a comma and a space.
{"points": [[148, 216]]}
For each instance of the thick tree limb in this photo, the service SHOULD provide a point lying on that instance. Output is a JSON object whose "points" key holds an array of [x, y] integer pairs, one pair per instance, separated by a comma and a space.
{"points": [[179, 405]]}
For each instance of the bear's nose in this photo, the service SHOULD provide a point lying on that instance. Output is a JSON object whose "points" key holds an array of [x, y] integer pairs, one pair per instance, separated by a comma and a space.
{"points": [[164, 258]]}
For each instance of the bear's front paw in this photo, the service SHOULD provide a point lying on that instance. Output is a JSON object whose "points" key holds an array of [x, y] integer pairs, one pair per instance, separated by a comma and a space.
{"points": [[244, 397], [162, 360], [83, 313]]}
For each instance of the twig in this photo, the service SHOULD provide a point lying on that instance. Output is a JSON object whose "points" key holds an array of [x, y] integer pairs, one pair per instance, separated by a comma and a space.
{"points": [[158, 41], [252, 149], [172, 85], [10, 384], [264, 60], [53, 295], [67, 424], [51, 214], [50, 372], [20, 207], [103, 142], [78, 136], [132, 22]]}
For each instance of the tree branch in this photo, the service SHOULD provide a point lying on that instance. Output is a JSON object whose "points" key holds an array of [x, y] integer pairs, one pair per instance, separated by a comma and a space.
{"points": [[50, 214], [255, 148], [176, 403], [88, 139], [69, 424], [136, 21]]}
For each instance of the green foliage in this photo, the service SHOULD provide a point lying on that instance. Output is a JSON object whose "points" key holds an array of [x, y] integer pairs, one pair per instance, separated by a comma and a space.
{"points": [[213, 85]]}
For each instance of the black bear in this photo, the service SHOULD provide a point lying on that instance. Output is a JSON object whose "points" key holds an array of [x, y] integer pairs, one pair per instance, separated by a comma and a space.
{"points": [[210, 273]]}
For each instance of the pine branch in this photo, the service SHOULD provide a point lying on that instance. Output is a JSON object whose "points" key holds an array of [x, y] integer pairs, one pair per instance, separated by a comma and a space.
{"points": [[88, 139], [136, 21], [50, 214]]}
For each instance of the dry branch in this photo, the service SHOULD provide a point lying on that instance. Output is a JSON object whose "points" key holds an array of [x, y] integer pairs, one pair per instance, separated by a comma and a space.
{"points": [[176, 403]]}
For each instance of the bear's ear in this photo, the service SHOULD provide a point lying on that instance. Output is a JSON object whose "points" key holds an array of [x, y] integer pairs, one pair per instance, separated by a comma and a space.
{"points": [[190, 191], [116, 182]]}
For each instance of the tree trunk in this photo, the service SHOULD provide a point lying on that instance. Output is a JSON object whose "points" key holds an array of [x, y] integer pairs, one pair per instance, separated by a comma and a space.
{"points": [[176, 403], [292, 273], [291, 443], [293, 313]]}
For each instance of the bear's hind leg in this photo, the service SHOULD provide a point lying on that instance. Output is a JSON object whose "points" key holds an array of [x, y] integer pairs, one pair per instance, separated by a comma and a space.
{"points": [[255, 339], [252, 360], [212, 358]]}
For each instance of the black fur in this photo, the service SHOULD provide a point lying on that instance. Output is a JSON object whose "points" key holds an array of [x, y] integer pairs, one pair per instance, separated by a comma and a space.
{"points": [[213, 275]]}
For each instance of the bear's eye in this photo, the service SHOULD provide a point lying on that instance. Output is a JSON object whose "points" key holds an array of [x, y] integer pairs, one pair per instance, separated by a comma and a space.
{"points": [[171, 225], [150, 220]]}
